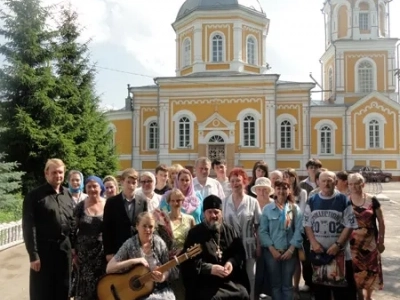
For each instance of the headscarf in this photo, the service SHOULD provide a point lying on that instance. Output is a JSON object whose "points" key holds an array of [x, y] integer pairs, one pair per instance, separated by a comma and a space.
{"points": [[80, 188], [191, 200], [97, 180]]}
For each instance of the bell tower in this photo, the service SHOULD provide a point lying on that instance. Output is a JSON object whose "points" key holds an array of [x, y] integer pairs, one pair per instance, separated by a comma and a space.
{"points": [[360, 55]]}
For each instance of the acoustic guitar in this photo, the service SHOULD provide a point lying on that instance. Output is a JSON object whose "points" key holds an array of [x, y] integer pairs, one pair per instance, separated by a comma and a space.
{"points": [[137, 283]]}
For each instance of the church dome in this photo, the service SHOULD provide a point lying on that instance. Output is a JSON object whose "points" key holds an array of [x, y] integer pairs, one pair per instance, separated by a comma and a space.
{"points": [[209, 5]]}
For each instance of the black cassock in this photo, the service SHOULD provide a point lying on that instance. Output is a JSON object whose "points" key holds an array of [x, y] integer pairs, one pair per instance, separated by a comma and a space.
{"points": [[196, 272], [47, 222]]}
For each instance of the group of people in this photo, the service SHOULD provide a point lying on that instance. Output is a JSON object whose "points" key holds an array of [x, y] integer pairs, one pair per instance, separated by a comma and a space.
{"points": [[258, 234]]}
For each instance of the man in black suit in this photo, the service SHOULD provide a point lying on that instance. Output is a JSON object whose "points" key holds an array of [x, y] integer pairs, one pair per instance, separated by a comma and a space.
{"points": [[120, 213]]}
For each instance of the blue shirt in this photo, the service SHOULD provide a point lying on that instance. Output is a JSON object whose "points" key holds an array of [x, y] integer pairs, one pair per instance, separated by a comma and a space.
{"points": [[272, 232]]}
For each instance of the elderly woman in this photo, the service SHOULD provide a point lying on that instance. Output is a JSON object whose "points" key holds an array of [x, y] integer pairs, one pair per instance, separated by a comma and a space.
{"points": [[193, 204], [280, 233], [89, 256], [274, 176], [242, 212], [148, 183], [75, 186], [111, 186], [148, 249], [367, 242], [263, 190]]}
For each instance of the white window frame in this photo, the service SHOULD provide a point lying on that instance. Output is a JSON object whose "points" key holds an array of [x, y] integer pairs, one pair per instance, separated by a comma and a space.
{"points": [[255, 48], [192, 118], [381, 122], [113, 130], [257, 118], [293, 122], [357, 74], [364, 17], [223, 58], [186, 53], [332, 125], [146, 125]]}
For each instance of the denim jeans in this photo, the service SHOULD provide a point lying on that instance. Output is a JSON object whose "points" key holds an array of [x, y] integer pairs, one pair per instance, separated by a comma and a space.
{"points": [[280, 274]]}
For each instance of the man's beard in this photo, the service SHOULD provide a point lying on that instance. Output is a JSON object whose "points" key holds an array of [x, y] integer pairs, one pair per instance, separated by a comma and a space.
{"points": [[214, 225]]}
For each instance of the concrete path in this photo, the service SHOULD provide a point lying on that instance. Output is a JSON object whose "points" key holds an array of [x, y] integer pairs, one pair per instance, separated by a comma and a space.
{"points": [[14, 263]]}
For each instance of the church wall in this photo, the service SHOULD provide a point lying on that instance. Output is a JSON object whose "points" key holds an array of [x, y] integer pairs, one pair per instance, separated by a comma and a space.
{"points": [[286, 164], [146, 112], [342, 22], [227, 30], [336, 125], [293, 113], [188, 33], [124, 164], [123, 136], [351, 59], [146, 165], [390, 134], [332, 164], [257, 34]]}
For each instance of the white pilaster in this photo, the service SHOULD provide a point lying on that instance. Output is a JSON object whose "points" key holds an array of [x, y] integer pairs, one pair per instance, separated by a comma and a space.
{"points": [[197, 43], [264, 47], [237, 41], [391, 63], [164, 131], [136, 139], [177, 56]]}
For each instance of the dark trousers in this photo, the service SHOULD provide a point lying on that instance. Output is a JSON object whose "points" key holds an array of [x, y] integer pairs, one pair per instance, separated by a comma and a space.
{"points": [[306, 265], [322, 292], [52, 281]]}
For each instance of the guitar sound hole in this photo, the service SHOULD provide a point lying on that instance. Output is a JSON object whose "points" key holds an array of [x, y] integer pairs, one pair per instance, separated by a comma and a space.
{"points": [[135, 283]]}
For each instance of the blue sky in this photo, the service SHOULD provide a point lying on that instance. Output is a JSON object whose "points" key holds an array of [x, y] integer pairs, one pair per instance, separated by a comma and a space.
{"points": [[135, 37]]}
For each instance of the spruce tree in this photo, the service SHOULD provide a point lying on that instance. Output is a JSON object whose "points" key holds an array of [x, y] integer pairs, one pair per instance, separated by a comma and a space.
{"points": [[94, 152], [10, 189], [32, 119]]}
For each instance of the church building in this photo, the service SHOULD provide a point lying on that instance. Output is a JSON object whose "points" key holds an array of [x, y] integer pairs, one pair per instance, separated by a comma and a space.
{"points": [[223, 102]]}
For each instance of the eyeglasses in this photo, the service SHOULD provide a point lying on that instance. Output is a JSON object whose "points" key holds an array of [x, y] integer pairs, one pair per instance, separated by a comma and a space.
{"points": [[146, 181]]}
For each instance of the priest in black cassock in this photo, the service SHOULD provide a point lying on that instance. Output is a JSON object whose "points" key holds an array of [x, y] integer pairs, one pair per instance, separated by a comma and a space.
{"points": [[219, 272]]}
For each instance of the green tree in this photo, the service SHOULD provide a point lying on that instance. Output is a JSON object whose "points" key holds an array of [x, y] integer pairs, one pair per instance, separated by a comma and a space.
{"points": [[10, 189], [94, 152], [31, 118], [48, 107]]}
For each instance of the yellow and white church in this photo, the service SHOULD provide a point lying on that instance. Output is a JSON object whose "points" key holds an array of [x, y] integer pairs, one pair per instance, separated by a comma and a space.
{"points": [[223, 103]]}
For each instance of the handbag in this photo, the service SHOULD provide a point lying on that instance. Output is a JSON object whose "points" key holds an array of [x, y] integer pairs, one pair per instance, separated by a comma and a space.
{"points": [[329, 270]]}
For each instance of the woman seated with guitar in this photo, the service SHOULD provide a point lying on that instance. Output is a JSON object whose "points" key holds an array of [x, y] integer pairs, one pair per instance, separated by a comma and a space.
{"points": [[149, 250]]}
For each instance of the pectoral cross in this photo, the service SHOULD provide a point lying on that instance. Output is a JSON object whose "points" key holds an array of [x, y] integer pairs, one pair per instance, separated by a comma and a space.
{"points": [[219, 253]]}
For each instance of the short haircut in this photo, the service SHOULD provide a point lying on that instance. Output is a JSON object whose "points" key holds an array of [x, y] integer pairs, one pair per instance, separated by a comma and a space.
{"points": [[217, 162], [203, 160], [162, 168], [130, 172], [314, 162], [54, 162], [342, 175]]}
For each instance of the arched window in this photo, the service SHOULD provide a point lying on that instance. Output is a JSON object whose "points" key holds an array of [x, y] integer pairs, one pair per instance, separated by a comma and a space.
{"points": [[286, 135], [249, 131], [374, 134], [364, 17], [216, 139], [187, 53], [325, 140], [366, 77], [184, 132], [251, 51], [217, 48], [153, 136]]}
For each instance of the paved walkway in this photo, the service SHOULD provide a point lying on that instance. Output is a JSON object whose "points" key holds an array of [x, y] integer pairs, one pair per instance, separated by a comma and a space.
{"points": [[14, 264]]}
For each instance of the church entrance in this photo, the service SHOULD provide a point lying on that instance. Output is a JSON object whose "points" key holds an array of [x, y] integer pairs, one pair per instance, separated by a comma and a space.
{"points": [[216, 147]]}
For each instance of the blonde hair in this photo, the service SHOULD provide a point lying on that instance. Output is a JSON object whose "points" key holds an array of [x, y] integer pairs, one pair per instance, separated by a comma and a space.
{"points": [[174, 192], [175, 168], [112, 179], [357, 177], [145, 215], [53, 162], [130, 172]]}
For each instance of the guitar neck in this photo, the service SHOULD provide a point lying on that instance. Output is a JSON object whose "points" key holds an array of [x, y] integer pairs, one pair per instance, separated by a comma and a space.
{"points": [[173, 262]]}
